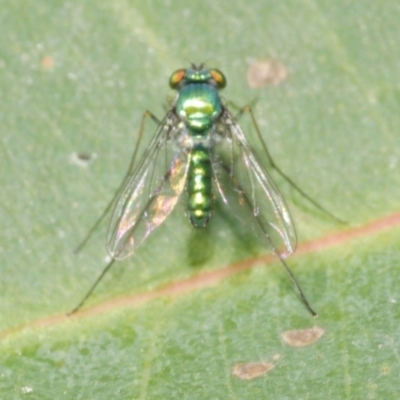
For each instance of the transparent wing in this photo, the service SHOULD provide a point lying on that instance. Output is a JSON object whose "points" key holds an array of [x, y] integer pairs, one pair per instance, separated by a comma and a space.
{"points": [[152, 191], [245, 186]]}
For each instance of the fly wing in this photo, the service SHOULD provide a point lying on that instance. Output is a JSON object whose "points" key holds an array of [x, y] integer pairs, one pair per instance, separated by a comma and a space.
{"points": [[245, 186], [152, 191]]}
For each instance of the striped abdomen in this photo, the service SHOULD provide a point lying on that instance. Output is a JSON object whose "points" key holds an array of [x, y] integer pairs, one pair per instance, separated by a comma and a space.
{"points": [[199, 183]]}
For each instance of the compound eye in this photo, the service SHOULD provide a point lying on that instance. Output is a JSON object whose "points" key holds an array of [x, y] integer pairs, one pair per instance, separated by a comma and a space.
{"points": [[218, 77], [176, 78]]}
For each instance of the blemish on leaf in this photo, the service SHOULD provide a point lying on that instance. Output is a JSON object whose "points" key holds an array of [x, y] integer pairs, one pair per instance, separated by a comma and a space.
{"points": [[302, 337], [26, 389], [251, 370], [266, 72], [82, 159]]}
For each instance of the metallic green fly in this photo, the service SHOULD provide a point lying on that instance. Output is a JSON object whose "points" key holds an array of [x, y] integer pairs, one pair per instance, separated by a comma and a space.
{"points": [[199, 151]]}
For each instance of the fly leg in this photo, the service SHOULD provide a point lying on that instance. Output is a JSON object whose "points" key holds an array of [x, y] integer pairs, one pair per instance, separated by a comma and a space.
{"points": [[109, 265], [242, 194]]}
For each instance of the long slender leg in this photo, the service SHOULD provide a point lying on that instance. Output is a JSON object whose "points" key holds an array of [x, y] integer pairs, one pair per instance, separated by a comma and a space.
{"points": [[82, 244], [109, 265], [240, 190], [248, 109], [91, 290]]}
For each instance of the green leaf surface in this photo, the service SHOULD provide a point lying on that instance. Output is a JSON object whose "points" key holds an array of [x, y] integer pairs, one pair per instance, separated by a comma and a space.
{"points": [[172, 321]]}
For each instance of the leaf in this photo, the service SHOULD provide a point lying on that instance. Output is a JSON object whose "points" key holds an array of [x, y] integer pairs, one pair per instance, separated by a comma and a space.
{"points": [[172, 321]]}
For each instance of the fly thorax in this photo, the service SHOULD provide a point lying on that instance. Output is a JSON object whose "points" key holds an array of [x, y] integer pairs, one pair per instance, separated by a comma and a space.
{"points": [[198, 105]]}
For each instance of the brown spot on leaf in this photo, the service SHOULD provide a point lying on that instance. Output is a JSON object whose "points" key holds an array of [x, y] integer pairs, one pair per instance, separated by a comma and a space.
{"points": [[47, 63], [251, 370], [266, 72], [302, 337]]}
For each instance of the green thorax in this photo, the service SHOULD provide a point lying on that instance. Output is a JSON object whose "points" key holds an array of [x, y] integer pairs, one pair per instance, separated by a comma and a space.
{"points": [[198, 103]]}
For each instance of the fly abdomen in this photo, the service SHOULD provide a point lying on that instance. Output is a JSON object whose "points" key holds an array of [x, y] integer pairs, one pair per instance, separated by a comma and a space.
{"points": [[200, 186]]}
